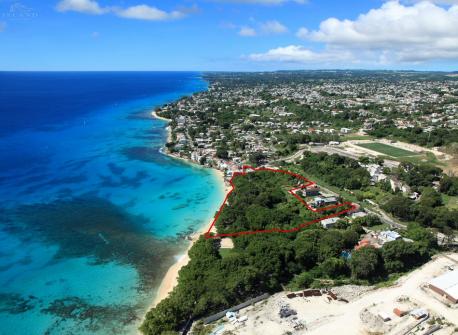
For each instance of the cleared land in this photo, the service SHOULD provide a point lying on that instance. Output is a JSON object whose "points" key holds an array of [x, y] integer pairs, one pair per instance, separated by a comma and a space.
{"points": [[360, 315], [387, 149]]}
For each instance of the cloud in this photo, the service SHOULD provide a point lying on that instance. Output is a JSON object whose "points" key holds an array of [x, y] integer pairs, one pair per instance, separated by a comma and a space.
{"points": [[138, 12], [439, 2], [247, 31], [393, 33], [273, 27], [145, 12], [261, 28], [300, 54], [81, 6], [302, 33], [263, 2]]}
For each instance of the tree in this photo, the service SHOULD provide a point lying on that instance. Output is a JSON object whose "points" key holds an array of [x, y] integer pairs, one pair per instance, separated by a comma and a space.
{"points": [[365, 263], [449, 185], [306, 247], [368, 220], [400, 207], [301, 281], [430, 197], [443, 217], [222, 153], [257, 158], [425, 238], [330, 244], [333, 267], [350, 238], [400, 255]]}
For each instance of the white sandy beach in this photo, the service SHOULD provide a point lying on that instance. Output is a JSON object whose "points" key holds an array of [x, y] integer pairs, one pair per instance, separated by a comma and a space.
{"points": [[154, 114]]}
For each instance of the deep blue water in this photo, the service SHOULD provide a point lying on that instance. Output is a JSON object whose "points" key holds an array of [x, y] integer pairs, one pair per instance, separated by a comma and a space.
{"points": [[91, 212]]}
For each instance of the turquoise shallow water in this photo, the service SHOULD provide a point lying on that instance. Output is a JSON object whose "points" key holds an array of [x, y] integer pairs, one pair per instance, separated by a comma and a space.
{"points": [[93, 213]]}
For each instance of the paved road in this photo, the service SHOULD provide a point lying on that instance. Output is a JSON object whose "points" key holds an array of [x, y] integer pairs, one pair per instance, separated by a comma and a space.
{"points": [[385, 218]]}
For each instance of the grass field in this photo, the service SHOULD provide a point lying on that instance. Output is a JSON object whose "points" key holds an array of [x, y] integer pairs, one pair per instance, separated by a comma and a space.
{"points": [[387, 149], [224, 252], [354, 137], [450, 202]]}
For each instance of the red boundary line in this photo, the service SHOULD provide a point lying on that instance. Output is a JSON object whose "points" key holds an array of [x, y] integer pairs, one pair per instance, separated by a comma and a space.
{"points": [[292, 192]]}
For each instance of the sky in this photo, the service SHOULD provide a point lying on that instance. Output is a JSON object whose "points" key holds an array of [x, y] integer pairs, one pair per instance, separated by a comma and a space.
{"points": [[228, 35]]}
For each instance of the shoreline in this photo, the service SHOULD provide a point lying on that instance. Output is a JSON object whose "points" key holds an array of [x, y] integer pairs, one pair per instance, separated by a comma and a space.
{"points": [[169, 132], [154, 114], [170, 279]]}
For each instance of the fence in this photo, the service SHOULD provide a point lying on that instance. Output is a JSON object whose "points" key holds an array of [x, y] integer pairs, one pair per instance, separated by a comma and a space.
{"points": [[247, 303]]}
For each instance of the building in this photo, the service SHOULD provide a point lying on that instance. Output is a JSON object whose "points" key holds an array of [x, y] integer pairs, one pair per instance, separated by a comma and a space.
{"points": [[322, 201], [446, 285], [329, 223], [388, 236], [419, 313], [311, 191], [358, 215]]}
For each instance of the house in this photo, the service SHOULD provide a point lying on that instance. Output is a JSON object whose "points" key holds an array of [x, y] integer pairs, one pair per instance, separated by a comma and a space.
{"points": [[329, 223], [365, 242], [419, 313], [358, 215], [376, 173], [388, 236], [345, 130], [181, 121], [446, 285], [311, 191], [397, 185], [399, 312], [324, 201], [384, 316]]}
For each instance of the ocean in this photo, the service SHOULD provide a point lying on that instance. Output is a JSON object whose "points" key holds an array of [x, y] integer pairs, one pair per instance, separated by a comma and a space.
{"points": [[92, 214]]}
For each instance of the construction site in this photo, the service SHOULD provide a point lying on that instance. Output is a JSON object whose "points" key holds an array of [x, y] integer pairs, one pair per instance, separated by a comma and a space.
{"points": [[421, 302]]}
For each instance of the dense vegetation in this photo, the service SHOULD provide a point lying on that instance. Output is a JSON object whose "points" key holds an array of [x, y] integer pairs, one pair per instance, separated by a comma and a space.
{"points": [[261, 202], [336, 170], [429, 209], [269, 262], [435, 138]]}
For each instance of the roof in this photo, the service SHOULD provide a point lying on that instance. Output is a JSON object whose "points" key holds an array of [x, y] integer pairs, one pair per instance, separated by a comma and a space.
{"points": [[447, 282], [390, 235], [330, 220], [359, 215]]}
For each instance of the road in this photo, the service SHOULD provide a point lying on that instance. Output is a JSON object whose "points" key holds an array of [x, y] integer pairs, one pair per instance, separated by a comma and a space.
{"points": [[385, 218]]}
